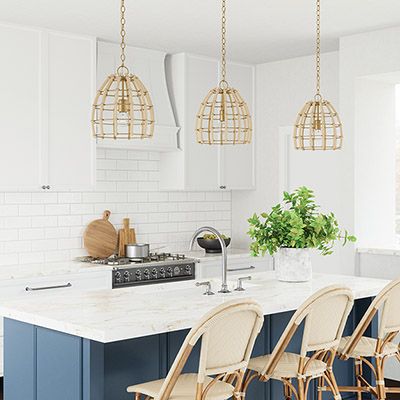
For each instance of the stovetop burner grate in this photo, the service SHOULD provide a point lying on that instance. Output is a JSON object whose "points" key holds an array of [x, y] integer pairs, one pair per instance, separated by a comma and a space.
{"points": [[115, 260]]}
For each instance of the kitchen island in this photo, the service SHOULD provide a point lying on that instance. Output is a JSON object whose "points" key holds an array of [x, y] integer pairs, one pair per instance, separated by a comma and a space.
{"points": [[92, 345]]}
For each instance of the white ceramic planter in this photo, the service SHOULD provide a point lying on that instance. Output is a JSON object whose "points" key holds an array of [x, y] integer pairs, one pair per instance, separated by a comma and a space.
{"points": [[293, 265]]}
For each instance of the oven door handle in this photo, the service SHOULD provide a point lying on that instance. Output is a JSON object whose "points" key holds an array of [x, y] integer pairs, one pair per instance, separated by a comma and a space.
{"points": [[241, 269], [35, 289]]}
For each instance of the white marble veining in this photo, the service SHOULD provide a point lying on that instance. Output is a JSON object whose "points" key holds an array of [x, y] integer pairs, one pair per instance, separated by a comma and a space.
{"points": [[112, 315]]}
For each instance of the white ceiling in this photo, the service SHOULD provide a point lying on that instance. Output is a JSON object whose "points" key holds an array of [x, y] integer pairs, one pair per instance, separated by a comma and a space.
{"points": [[258, 30]]}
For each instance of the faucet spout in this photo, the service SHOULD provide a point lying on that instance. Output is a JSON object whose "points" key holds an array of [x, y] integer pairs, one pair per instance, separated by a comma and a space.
{"points": [[224, 264]]}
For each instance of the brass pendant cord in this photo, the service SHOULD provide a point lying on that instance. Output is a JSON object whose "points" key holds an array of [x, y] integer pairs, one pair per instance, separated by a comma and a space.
{"points": [[318, 50], [318, 126], [223, 117], [123, 33], [223, 45], [122, 108]]}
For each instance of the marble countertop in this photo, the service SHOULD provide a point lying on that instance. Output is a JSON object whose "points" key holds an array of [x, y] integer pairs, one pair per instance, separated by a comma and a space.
{"points": [[119, 314], [386, 251], [11, 273]]}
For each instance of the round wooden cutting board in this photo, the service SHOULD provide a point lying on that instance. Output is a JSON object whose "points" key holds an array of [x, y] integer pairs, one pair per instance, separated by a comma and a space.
{"points": [[100, 237]]}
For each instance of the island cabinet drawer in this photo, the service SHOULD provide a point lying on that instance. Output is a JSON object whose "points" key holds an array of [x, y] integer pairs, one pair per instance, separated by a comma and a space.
{"points": [[247, 265], [55, 284]]}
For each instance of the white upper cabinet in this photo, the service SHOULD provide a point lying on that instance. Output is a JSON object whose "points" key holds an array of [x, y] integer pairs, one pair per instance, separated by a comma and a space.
{"points": [[149, 66], [47, 83], [199, 166], [20, 105]]}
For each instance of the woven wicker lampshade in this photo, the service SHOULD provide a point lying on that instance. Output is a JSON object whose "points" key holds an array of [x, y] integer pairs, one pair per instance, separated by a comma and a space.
{"points": [[122, 108], [318, 126], [223, 116]]}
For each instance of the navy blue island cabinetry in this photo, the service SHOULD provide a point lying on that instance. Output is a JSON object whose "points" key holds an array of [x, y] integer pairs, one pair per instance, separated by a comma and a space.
{"points": [[45, 364]]}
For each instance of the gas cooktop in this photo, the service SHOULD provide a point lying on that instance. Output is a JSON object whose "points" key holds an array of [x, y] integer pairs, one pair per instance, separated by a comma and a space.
{"points": [[156, 268]]}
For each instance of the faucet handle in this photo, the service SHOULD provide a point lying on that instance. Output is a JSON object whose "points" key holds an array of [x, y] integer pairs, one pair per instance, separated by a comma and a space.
{"points": [[207, 284], [240, 287]]}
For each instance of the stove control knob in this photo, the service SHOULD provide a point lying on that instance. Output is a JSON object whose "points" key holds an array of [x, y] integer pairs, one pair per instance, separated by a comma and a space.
{"points": [[188, 269], [146, 274], [154, 272], [177, 270], [118, 276], [169, 271], [162, 272], [138, 275], [126, 276]]}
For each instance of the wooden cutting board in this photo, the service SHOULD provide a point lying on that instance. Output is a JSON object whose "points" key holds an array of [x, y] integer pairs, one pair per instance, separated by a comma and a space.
{"points": [[125, 236], [100, 237]]}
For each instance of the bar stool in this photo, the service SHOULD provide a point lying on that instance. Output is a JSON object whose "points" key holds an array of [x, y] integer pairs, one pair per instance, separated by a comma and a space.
{"points": [[360, 348], [227, 334], [324, 315]]}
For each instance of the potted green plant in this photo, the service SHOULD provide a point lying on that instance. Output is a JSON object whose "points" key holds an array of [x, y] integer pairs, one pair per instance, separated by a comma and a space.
{"points": [[290, 230]]}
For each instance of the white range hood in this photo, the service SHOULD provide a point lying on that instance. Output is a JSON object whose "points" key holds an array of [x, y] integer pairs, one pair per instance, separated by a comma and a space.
{"points": [[149, 66]]}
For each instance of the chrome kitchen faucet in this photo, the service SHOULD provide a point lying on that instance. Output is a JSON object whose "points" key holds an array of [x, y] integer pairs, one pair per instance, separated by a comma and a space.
{"points": [[224, 286]]}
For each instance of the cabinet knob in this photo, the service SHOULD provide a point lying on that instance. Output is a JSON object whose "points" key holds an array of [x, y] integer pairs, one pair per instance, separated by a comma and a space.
{"points": [[48, 187], [222, 187], [44, 187]]}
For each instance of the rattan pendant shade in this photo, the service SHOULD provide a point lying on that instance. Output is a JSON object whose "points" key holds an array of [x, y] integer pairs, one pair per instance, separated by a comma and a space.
{"points": [[318, 126], [122, 108], [223, 116]]}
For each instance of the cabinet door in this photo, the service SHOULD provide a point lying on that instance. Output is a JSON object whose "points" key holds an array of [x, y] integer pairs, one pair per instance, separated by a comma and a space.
{"points": [[71, 77], [201, 161], [237, 162], [20, 104]]}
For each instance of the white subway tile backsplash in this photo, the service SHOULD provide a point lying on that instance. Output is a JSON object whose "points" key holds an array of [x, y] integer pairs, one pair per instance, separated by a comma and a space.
{"points": [[48, 227], [93, 197], [127, 165], [31, 234], [31, 209], [57, 209], [17, 198], [70, 198], [8, 210], [44, 245], [55, 233], [44, 222]]}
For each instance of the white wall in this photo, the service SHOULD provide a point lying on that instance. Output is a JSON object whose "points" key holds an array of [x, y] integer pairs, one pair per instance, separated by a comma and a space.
{"points": [[375, 162], [282, 89], [363, 55], [48, 227]]}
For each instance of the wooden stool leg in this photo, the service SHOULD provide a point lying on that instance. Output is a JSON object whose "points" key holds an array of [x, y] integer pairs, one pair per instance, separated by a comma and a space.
{"points": [[330, 377], [380, 379], [320, 385], [287, 391], [301, 389], [358, 373]]}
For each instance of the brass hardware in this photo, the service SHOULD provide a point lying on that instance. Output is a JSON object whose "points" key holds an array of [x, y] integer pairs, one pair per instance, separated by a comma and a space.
{"points": [[223, 117], [122, 108], [318, 126]]}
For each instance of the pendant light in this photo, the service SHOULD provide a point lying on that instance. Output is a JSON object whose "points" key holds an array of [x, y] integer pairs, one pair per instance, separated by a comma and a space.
{"points": [[318, 126], [122, 108], [224, 116]]}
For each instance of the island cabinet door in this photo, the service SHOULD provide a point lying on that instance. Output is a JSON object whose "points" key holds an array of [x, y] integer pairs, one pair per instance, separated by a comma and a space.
{"points": [[59, 366]]}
